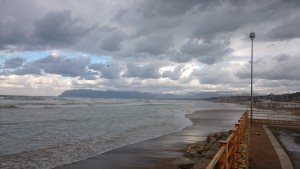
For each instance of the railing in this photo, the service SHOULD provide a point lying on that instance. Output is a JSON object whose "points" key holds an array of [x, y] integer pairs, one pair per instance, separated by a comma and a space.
{"points": [[226, 157], [274, 114]]}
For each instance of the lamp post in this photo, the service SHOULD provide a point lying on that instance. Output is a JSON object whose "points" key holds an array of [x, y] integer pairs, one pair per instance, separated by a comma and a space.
{"points": [[252, 36]]}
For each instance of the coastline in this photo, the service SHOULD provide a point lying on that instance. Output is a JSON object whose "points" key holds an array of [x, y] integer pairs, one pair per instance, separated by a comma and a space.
{"points": [[146, 154]]}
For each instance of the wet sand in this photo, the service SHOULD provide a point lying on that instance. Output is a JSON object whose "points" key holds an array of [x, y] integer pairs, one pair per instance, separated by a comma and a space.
{"points": [[146, 154], [289, 138]]}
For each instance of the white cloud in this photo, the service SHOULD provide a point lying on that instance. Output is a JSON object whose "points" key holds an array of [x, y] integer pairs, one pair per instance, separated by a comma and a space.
{"points": [[34, 85]]}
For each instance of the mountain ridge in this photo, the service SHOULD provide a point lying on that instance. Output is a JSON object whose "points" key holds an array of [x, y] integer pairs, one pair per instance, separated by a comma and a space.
{"points": [[89, 93]]}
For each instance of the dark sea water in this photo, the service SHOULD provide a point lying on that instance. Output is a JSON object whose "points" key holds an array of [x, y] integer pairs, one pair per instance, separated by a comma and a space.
{"points": [[45, 132]]}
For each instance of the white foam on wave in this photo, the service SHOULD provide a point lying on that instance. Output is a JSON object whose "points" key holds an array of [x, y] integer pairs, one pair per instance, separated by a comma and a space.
{"points": [[43, 102]]}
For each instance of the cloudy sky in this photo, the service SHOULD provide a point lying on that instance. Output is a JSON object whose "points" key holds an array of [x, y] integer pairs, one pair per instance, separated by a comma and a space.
{"points": [[162, 46]]}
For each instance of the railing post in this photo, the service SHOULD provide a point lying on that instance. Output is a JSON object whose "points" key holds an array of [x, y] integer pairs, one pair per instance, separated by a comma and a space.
{"points": [[238, 132], [247, 118], [235, 148], [242, 126], [224, 161]]}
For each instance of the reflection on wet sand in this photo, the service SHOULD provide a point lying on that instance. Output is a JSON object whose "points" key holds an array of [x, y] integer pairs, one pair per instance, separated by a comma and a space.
{"points": [[289, 138]]}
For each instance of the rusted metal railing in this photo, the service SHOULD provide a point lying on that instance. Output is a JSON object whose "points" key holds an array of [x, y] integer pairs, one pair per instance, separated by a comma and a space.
{"points": [[226, 157]]}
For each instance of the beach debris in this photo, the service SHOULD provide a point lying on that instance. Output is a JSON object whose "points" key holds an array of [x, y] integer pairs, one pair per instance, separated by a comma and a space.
{"points": [[211, 139], [209, 154], [191, 154], [164, 164], [7, 106], [199, 154], [218, 135], [184, 163]]}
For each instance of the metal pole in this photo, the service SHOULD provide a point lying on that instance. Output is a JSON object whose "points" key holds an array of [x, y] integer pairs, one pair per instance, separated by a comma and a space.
{"points": [[251, 80]]}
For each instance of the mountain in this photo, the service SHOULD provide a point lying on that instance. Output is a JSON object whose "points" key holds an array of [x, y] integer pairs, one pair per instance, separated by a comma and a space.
{"points": [[107, 94], [136, 95]]}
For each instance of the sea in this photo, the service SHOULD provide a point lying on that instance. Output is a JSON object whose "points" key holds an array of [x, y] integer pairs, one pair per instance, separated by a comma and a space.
{"points": [[46, 132]]}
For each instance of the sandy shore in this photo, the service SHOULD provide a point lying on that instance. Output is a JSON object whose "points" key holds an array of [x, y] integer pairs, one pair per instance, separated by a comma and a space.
{"points": [[146, 154]]}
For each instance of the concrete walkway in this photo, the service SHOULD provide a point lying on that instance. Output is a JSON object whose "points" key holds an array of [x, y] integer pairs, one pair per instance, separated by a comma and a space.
{"points": [[265, 151]]}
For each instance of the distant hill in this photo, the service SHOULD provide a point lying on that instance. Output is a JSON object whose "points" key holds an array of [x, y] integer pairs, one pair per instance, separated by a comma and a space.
{"points": [[136, 95], [107, 94]]}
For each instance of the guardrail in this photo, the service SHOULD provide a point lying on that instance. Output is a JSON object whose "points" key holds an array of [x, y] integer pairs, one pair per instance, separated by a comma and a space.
{"points": [[274, 115], [226, 157]]}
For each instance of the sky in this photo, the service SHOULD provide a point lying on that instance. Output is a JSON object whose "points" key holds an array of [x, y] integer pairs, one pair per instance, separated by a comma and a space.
{"points": [[159, 46]]}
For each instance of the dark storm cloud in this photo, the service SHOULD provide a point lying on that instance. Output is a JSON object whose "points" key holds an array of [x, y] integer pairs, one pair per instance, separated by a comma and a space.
{"points": [[149, 29], [207, 52], [97, 66], [60, 65], [173, 8], [281, 67], [176, 21], [231, 17], [148, 71], [287, 30], [59, 28], [219, 22], [13, 63], [118, 17], [157, 26], [10, 33], [112, 41], [15, 21], [175, 74], [107, 70], [154, 44], [169, 8]]}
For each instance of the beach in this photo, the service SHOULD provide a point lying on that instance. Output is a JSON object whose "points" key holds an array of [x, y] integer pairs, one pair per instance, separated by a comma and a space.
{"points": [[146, 154], [48, 132], [111, 134]]}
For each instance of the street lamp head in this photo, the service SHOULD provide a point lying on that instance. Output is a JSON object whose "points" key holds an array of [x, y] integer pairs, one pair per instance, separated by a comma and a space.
{"points": [[252, 35]]}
